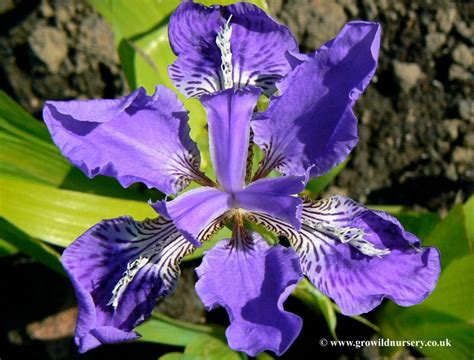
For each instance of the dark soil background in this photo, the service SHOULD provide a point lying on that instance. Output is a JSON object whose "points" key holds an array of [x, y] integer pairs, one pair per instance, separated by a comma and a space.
{"points": [[416, 139]]}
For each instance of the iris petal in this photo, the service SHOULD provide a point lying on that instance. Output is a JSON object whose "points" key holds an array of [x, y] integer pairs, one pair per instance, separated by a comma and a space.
{"points": [[229, 114], [312, 125], [119, 268], [195, 210], [358, 256], [274, 197], [137, 138], [252, 282], [258, 45]]}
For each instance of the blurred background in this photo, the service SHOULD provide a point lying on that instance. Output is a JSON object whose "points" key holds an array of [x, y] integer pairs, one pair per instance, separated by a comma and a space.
{"points": [[416, 149]]}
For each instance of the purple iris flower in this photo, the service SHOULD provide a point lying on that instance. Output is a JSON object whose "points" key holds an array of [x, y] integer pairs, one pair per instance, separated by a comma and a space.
{"points": [[228, 57]]}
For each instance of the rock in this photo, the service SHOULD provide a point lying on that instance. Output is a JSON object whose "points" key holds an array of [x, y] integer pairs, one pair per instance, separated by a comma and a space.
{"points": [[434, 41], [457, 72], [46, 9], [450, 172], [350, 6], [445, 18], [6, 5], [462, 55], [275, 6], [452, 128], [53, 327], [407, 74], [469, 140], [466, 109], [371, 9], [327, 20], [463, 155], [49, 45], [464, 30], [97, 40]]}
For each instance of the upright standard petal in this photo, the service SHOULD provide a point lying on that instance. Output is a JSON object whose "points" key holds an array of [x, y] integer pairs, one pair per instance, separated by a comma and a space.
{"points": [[275, 197], [250, 50], [358, 256], [252, 282], [229, 114], [137, 138], [119, 268], [195, 210], [312, 125]]}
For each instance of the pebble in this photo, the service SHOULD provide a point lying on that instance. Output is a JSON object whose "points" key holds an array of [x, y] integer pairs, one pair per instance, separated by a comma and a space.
{"points": [[466, 109], [452, 127], [457, 72], [445, 18], [327, 20], [49, 45], [434, 41], [462, 55], [463, 155], [464, 30], [407, 74]]}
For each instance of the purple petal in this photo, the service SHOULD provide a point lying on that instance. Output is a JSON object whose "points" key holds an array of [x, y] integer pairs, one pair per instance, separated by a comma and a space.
{"points": [[386, 262], [194, 210], [274, 197], [137, 138], [229, 114], [119, 268], [258, 45], [252, 282], [312, 123]]}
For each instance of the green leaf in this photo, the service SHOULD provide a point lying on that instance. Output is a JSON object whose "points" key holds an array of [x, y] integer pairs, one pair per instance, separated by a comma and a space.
{"points": [[446, 314], [469, 216], [199, 252], [131, 18], [28, 153], [260, 3], [59, 216], [6, 249], [210, 348], [205, 347], [420, 223], [451, 236], [32, 247], [425, 324], [454, 293], [316, 186], [318, 302], [27, 150], [165, 330]]}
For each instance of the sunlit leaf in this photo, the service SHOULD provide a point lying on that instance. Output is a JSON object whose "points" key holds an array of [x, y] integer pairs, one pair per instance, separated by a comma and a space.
{"points": [[6, 249], [315, 186], [447, 314], [469, 216], [27, 149], [59, 216], [165, 330], [451, 236], [210, 348], [132, 18], [32, 247], [28, 153], [318, 302]]}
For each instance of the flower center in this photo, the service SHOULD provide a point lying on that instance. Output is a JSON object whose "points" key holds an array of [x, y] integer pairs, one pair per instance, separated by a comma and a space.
{"points": [[223, 42]]}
